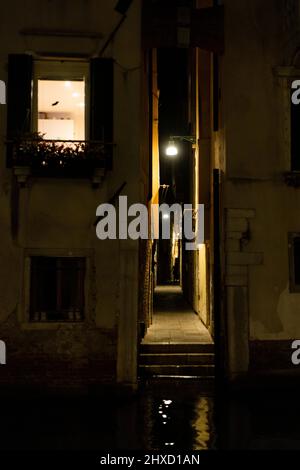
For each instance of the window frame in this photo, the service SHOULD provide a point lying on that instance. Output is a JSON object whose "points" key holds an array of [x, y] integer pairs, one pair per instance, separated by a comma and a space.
{"points": [[24, 305], [284, 77], [59, 267], [65, 70]]}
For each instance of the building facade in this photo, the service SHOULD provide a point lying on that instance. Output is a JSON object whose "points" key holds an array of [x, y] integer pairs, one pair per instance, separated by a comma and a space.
{"points": [[246, 127], [261, 199], [69, 301], [243, 167], [81, 127]]}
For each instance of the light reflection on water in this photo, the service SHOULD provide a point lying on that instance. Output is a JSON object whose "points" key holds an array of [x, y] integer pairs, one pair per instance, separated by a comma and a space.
{"points": [[164, 418], [179, 417], [160, 417], [202, 424]]}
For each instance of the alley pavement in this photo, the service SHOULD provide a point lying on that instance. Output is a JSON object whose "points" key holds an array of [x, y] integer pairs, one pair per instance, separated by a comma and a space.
{"points": [[174, 321]]}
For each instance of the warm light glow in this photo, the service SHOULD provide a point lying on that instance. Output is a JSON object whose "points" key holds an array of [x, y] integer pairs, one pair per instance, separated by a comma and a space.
{"points": [[201, 246], [61, 116], [171, 150]]}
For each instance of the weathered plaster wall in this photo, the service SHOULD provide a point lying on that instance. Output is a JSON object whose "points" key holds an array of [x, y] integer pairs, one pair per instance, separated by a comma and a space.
{"points": [[59, 214], [270, 302], [257, 247]]}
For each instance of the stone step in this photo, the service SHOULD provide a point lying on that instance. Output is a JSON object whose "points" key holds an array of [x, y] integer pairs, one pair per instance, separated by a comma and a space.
{"points": [[207, 382], [176, 370], [176, 358], [173, 383], [173, 348]]}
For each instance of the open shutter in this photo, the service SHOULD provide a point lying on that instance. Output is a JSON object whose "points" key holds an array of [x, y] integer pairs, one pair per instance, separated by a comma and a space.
{"points": [[19, 91], [101, 106], [295, 136], [19, 97]]}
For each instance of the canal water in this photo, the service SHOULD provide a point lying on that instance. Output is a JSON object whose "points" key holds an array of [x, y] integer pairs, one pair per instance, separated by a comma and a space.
{"points": [[164, 417]]}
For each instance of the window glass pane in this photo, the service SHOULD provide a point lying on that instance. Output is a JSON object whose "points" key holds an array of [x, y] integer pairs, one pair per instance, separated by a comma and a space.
{"points": [[61, 109], [43, 285], [71, 274]]}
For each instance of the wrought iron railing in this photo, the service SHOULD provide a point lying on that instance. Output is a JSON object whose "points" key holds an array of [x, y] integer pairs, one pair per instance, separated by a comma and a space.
{"points": [[61, 157]]}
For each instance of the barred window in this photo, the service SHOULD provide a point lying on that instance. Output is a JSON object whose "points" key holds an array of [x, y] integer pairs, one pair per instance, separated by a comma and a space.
{"points": [[57, 289]]}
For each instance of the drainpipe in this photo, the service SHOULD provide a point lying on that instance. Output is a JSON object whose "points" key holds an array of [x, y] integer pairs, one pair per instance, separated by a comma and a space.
{"points": [[121, 7]]}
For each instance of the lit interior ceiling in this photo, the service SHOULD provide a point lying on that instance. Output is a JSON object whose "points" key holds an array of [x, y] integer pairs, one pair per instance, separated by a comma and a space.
{"points": [[59, 96]]}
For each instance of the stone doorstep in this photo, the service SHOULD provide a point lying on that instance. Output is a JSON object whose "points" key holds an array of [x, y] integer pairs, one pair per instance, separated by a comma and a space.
{"points": [[186, 370], [177, 358], [178, 347]]}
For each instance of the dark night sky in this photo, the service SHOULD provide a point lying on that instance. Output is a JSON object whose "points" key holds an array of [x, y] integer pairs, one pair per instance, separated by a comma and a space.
{"points": [[173, 111]]}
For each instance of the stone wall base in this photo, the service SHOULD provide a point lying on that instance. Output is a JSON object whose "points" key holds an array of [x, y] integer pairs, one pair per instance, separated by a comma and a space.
{"points": [[271, 355]]}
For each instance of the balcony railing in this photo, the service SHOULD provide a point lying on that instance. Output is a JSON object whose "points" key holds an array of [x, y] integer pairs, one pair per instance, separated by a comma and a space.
{"points": [[72, 158]]}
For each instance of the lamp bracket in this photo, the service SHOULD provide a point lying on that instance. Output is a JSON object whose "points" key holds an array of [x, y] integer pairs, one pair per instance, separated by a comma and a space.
{"points": [[184, 138]]}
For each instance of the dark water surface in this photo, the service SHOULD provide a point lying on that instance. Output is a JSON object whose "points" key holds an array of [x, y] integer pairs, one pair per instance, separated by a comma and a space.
{"points": [[179, 416]]}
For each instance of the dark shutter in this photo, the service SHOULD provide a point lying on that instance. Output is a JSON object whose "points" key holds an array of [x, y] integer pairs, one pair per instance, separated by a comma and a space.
{"points": [[150, 123], [19, 97], [295, 136], [216, 92], [101, 106], [19, 91]]}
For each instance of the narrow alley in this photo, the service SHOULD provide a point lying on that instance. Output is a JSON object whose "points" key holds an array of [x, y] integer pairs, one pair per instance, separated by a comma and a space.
{"points": [[174, 321]]}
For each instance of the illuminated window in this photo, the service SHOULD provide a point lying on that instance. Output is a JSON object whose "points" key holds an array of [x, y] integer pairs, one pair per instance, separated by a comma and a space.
{"points": [[60, 98], [61, 109], [64, 99]]}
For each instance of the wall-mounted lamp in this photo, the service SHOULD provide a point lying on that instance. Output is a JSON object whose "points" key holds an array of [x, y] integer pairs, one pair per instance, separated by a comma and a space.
{"points": [[172, 150]]}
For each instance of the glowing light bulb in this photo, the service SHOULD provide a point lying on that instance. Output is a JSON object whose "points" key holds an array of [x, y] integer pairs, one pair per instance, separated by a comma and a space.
{"points": [[171, 150]]}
